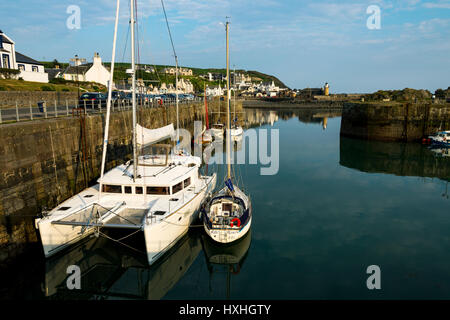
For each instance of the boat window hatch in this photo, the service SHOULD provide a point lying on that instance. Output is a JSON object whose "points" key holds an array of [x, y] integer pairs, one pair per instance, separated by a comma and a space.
{"points": [[108, 188], [63, 208], [158, 190], [159, 213]]}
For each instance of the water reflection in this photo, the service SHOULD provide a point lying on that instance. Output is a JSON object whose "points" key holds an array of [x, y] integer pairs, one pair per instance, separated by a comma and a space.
{"points": [[402, 159], [225, 259], [258, 117], [111, 271]]}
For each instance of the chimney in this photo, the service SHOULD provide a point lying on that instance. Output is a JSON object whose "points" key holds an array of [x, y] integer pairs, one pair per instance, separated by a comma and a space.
{"points": [[97, 59]]}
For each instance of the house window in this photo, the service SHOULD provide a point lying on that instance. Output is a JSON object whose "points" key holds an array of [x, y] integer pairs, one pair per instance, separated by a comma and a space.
{"points": [[21, 67], [5, 61], [34, 69]]}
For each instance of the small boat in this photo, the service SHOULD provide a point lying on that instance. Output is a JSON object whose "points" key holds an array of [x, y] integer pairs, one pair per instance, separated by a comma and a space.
{"points": [[236, 132], [206, 134], [227, 216], [441, 138], [217, 130]]}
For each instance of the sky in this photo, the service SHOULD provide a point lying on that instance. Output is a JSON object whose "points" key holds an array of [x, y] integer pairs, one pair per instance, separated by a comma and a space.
{"points": [[305, 43]]}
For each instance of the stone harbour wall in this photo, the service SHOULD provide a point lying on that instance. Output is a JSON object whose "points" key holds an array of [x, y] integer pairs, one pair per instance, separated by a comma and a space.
{"points": [[394, 121]]}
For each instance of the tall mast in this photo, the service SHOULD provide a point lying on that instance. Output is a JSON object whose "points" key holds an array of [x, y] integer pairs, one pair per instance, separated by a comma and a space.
{"points": [[176, 94], [228, 104], [133, 94], [108, 105]]}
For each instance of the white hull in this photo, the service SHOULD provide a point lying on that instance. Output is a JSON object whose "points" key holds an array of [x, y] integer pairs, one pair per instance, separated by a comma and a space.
{"points": [[64, 227], [228, 235], [160, 237]]}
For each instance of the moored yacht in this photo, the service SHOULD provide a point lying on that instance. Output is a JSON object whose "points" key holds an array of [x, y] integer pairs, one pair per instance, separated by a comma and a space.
{"points": [[156, 193], [441, 138], [227, 216]]}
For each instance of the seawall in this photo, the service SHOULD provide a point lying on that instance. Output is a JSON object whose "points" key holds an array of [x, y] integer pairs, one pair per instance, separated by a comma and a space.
{"points": [[44, 162], [393, 121]]}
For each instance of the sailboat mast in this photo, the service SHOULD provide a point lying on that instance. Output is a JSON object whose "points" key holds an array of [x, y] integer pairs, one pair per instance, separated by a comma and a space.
{"points": [[176, 94], [228, 104], [133, 88], [108, 105], [206, 109]]}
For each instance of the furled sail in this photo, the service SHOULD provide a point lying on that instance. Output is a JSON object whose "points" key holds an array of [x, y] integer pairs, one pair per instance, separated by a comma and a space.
{"points": [[146, 136]]}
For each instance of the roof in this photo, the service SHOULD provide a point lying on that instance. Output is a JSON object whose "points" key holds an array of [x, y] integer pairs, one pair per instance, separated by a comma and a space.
{"points": [[81, 69], [4, 38], [24, 59]]}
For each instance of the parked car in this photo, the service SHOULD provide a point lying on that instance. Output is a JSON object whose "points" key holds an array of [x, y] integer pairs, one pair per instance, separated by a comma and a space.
{"points": [[92, 100]]}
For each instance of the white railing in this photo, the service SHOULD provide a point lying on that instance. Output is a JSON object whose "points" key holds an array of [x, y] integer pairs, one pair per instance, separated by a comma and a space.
{"points": [[27, 111]]}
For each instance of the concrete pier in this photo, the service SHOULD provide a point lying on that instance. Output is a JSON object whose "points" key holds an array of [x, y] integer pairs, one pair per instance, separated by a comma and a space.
{"points": [[391, 121]]}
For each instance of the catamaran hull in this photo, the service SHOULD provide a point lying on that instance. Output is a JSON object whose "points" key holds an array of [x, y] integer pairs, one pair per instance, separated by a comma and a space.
{"points": [[228, 235], [160, 237], [55, 238]]}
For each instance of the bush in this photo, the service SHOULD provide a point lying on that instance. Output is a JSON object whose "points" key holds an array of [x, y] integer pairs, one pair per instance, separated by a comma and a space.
{"points": [[58, 81], [8, 73], [48, 88], [20, 78], [2, 89], [65, 90]]}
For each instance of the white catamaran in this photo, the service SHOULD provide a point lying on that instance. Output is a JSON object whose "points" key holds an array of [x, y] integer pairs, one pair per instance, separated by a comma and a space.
{"points": [[157, 194], [227, 216]]}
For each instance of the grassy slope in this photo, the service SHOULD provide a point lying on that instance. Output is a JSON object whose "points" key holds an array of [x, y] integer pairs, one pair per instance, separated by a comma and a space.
{"points": [[20, 85]]}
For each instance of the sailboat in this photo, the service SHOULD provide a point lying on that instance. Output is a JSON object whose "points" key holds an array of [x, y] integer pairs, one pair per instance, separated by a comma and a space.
{"points": [[157, 194], [227, 216], [206, 134], [236, 130]]}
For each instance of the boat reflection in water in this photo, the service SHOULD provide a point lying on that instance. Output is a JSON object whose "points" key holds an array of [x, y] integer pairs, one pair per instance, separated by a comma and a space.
{"points": [[402, 159], [110, 270], [225, 258]]}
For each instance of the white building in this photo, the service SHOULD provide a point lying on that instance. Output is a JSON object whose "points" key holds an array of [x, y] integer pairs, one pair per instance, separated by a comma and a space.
{"points": [[215, 91], [181, 71], [30, 69], [89, 72]]}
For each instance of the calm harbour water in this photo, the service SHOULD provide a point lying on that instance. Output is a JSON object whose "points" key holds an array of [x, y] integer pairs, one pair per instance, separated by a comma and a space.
{"points": [[335, 207]]}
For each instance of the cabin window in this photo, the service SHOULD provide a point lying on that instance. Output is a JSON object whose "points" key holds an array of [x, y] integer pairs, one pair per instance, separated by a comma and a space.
{"points": [[21, 67], [128, 189], [158, 190], [34, 69], [187, 182], [227, 207], [139, 190], [178, 187], [111, 188]]}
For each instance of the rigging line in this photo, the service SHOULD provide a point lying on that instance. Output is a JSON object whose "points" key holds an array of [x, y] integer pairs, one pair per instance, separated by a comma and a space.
{"points": [[130, 247], [168, 29], [108, 210]]}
